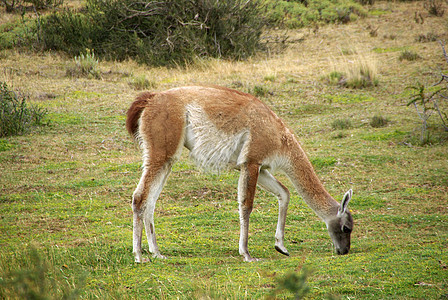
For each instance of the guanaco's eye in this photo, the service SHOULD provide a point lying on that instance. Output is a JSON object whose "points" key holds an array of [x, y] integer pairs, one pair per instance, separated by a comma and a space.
{"points": [[345, 229]]}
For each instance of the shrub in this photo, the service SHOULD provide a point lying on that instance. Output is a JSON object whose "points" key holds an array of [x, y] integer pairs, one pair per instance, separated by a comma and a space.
{"points": [[35, 278], [84, 66], [12, 5], [300, 13], [431, 100], [260, 91], [335, 77], [157, 32], [18, 33], [428, 101], [434, 7], [425, 38], [43, 4], [378, 121], [408, 55], [70, 32], [341, 124], [16, 116], [141, 83], [361, 73], [291, 283]]}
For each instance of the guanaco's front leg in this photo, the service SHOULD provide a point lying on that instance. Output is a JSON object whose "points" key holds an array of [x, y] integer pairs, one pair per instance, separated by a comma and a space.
{"points": [[247, 184], [272, 185]]}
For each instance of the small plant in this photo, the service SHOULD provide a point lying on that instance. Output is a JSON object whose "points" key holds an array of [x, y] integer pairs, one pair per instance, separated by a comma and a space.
{"points": [[13, 5], [31, 281], [335, 77], [84, 66], [361, 75], [16, 115], [358, 74], [341, 124], [428, 101], [43, 4], [378, 121], [292, 283], [140, 82], [260, 91], [434, 7], [270, 78], [426, 104], [366, 2], [390, 36], [373, 32], [408, 55], [425, 38], [294, 14]]}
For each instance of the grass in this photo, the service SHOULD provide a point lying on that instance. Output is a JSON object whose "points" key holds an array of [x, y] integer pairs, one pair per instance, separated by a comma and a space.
{"points": [[65, 190], [357, 73]]}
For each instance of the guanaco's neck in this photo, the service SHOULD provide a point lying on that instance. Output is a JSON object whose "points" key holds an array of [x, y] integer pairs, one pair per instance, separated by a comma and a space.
{"points": [[305, 180]]}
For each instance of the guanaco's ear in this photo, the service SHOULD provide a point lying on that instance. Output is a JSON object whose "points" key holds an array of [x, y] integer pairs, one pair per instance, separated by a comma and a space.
{"points": [[345, 201]]}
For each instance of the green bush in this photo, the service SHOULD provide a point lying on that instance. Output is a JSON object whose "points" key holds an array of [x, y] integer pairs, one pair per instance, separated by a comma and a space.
{"points": [[157, 32], [70, 32], [14, 5], [300, 13], [16, 116], [18, 33]]}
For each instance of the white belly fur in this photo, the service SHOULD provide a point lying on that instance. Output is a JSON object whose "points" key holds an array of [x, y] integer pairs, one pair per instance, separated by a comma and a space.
{"points": [[210, 148]]}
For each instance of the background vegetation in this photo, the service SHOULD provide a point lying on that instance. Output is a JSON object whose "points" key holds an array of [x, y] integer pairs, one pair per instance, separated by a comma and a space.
{"points": [[65, 188]]}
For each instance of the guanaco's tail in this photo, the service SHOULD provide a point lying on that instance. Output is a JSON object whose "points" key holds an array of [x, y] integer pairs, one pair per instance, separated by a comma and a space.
{"points": [[135, 111]]}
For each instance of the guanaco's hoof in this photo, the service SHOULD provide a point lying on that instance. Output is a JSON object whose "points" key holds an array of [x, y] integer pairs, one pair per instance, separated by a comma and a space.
{"points": [[284, 252]]}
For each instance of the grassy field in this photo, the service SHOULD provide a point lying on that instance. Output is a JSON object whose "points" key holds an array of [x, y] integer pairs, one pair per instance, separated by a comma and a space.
{"points": [[65, 188]]}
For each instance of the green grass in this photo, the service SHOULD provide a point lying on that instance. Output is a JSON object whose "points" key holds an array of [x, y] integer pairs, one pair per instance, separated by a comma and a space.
{"points": [[65, 190]]}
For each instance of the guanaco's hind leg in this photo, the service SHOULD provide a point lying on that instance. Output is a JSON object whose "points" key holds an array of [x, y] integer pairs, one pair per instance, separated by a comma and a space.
{"points": [[247, 184], [272, 185], [161, 133], [144, 202]]}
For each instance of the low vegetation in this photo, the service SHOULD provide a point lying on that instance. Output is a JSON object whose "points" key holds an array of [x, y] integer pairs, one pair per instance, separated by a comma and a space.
{"points": [[65, 188], [378, 121], [118, 30], [355, 74], [17, 115], [84, 65], [408, 55], [297, 14]]}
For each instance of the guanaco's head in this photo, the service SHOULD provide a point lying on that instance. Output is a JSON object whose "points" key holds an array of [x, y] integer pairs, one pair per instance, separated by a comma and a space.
{"points": [[340, 227]]}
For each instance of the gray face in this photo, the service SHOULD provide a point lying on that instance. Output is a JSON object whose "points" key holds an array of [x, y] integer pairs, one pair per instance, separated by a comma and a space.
{"points": [[340, 230]]}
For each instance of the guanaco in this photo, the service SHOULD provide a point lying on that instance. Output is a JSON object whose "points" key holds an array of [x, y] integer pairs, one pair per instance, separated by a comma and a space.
{"points": [[225, 129]]}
